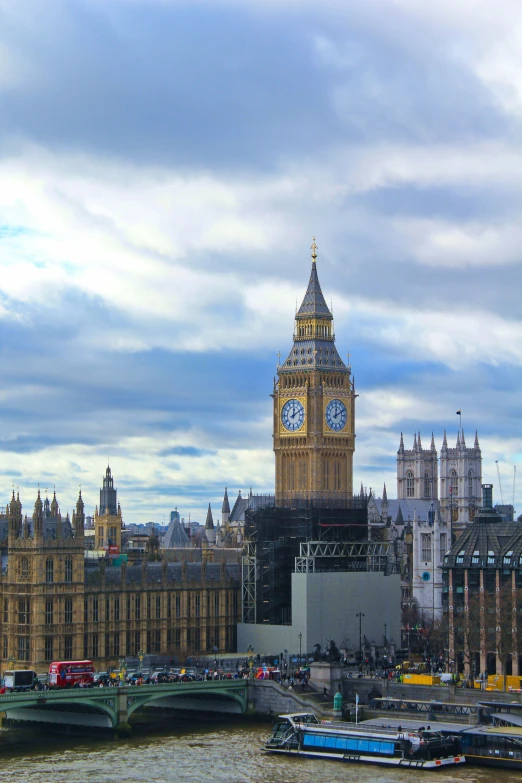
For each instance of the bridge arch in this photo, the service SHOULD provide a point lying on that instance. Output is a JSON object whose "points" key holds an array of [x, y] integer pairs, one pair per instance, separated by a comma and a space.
{"points": [[106, 706], [142, 700]]}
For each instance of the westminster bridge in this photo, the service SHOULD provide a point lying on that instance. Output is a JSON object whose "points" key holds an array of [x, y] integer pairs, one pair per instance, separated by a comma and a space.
{"points": [[112, 707]]}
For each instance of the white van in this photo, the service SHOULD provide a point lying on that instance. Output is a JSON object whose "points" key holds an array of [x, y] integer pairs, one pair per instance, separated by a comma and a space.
{"points": [[19, 680]]}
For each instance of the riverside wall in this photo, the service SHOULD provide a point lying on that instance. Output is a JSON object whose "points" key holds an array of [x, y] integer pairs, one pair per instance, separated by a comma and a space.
{"points": [[268, 699], [400, 690]]}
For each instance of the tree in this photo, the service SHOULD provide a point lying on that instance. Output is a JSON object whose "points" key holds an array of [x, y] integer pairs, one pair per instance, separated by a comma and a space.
{"points": [[437, 638], [503, 642], [471, 634], [410, 621]]}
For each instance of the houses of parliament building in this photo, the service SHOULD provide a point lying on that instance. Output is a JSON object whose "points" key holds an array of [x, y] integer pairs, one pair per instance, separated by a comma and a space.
{"points": [[59, 604]]}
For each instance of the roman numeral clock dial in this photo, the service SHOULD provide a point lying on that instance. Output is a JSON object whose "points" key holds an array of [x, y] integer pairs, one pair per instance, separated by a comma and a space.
{"points": [[336, 415], [292, 415]]}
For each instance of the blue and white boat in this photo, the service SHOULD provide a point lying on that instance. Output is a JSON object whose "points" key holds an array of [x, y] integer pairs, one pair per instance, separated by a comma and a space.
{"points": [[301, 734]]}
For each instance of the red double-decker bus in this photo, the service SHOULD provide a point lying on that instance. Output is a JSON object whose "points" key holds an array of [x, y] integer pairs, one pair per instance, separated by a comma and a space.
{"points": [[66, 674]]}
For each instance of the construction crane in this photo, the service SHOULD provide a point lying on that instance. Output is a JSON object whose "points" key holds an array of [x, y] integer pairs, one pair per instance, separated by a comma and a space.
{"points": [[500, 483]]}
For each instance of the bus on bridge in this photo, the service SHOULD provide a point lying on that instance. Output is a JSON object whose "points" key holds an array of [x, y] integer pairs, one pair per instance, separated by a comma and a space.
{"points": [[67, 674]]}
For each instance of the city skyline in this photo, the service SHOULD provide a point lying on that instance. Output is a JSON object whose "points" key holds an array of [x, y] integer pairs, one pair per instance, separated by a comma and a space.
{"points": [[165, 167]]}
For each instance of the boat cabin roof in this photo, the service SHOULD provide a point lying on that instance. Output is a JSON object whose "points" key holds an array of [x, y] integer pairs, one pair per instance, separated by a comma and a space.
{"points": [[377, 730], [414, 725]]}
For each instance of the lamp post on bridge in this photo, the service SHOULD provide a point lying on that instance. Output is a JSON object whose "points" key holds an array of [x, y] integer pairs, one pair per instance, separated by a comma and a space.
{"points": [[300, 640], [123, 669], [360, 615], [141, 656], [250, 651], [11, 661]]}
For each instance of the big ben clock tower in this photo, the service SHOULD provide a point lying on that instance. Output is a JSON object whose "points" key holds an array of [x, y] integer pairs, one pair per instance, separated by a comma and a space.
{"points": [[314, 407]]}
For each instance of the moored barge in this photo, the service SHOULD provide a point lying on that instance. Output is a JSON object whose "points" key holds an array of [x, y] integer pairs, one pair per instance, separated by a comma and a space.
{"points": [[301, 734]]}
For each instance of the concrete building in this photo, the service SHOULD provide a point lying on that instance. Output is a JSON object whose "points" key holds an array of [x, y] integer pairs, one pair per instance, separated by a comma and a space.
{"points": [[325, 606]]}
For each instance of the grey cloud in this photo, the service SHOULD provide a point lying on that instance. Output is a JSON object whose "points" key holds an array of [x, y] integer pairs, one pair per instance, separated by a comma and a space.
{"points": [[170, 85], [200, 86]]}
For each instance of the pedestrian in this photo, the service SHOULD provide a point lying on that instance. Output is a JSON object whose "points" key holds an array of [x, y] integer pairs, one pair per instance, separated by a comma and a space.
{"points": [[325, 691]]}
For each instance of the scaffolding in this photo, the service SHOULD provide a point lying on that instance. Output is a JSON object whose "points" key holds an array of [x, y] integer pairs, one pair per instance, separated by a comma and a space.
{"points": [[248, 574], [360, 556], [275, 533]]}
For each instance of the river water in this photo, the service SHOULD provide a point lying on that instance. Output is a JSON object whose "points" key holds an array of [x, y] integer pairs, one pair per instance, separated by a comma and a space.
{"points": [[223, 753]]}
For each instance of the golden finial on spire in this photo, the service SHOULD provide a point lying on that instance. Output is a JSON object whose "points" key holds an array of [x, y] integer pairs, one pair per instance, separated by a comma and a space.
{"points": [[313, 248]]}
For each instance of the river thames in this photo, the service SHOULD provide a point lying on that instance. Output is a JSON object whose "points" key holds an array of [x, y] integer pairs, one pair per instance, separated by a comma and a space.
{"points": [[223, 753]]}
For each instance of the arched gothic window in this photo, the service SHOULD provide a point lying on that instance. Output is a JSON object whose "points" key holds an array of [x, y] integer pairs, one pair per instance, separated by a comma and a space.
{"points": [[24, 568], [49, 570], [410, 484], [427, 485], [454, 484], [470, 483], [68, 569]]}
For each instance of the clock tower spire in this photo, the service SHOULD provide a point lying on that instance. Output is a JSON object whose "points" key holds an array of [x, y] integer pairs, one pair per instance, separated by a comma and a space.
{"points": [[314, 407]]}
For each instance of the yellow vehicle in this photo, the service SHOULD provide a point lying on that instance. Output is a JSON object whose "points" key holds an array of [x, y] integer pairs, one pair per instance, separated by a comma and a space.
{"points": [[421, 679]]}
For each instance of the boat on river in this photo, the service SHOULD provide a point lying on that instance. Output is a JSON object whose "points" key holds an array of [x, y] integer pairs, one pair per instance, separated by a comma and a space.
{"points": [[301, 734], [495, 742]]}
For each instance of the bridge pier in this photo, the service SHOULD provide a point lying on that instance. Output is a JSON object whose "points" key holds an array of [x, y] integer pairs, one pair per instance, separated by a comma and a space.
{"points": [[123, 727]]}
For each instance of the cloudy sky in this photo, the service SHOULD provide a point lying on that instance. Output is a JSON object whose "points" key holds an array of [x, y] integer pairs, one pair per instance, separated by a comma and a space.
{"points": [[163, 167]]}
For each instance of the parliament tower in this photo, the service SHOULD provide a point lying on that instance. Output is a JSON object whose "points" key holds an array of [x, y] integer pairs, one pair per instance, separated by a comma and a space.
{"points": [[314, 407]]}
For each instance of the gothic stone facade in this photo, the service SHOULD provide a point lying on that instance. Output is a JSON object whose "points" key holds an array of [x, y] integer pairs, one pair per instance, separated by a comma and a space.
{"points": [[314, 408], [460, 477], [56, 605]]}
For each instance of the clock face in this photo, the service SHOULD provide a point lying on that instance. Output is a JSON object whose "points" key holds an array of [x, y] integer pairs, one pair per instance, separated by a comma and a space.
{"points": [[336, 415], [292, 415], [426, 576]]}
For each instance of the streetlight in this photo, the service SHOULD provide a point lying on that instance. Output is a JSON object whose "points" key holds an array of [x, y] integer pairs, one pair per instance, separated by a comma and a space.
{"points": [[250, 651], [300, 640], [123, 669], [141, 656], [360, 615], [385, 647]]}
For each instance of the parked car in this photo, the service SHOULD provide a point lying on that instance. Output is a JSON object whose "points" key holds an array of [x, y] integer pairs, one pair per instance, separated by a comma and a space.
{"points": [[161, 677], [101, 678], [133, 677]]}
